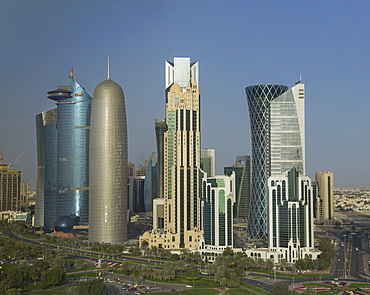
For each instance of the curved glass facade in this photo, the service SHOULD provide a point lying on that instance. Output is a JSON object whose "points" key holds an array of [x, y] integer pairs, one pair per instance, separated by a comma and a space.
{"points": [[63, 144], [108, 165], [73, 147], [278, 143], [259, 98]]}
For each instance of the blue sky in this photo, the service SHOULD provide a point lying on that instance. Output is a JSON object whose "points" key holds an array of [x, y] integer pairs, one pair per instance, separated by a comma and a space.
{"points": [[237, 43]]}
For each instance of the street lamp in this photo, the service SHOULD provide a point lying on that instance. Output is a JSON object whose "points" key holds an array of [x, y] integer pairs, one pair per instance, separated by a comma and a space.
{"points": [[345, 257]]}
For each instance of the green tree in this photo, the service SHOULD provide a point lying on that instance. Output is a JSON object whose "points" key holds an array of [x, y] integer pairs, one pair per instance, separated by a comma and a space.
{"points": [[52, 277], [282, 289], [192, 273], [91, 287]]}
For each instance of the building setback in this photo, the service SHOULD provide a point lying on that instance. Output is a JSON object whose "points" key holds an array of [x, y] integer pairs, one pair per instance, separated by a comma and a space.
{"points": [[181, 169], [108, 165]]}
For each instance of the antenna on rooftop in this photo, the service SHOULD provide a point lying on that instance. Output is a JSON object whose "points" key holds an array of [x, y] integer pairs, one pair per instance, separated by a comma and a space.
{"points": [[108, 68]]}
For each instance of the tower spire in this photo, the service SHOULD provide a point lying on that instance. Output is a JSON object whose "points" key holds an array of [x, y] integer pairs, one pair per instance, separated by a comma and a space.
{"points": [[108, 78], [71, 73]]}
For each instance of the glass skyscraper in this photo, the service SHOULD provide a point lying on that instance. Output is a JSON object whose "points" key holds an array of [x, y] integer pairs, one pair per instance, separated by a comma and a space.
{"points": [[278, 143], [108, 169], [63, 145]]}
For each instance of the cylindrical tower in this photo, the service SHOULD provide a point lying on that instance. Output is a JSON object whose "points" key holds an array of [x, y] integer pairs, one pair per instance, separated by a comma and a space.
{"points": [[108, 165], [259, 98]]}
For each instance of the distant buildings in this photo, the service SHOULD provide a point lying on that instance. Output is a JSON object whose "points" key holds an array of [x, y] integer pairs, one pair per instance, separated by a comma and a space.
{"points": [[242, 169], [108, 165], [10, 188], [278, 143], [207, 161], [325, 196]]}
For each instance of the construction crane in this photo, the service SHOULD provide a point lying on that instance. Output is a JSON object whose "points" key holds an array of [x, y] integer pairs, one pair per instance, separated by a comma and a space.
{"points": [[144, 159], [13, 163], [2, 154]]}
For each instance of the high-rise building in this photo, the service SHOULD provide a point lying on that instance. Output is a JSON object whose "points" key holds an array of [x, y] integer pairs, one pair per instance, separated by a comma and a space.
{"points": [[207, 161], [291, 217], [278, 143], [150, 183], [160, 129], [46, 134], [63, 145], [325, 195], [108, 164], [136, 194], [182, 212], [242, 170], [10, 188], [218, 195]]}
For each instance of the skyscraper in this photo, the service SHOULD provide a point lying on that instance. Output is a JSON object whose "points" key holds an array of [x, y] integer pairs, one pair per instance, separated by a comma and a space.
{"points": [[207, 161], [63, 144], [46, 134], [278, 143], [182, 225], [325, 195], [108, 164]]}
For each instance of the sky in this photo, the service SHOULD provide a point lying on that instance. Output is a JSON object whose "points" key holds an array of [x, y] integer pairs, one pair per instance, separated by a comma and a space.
{"points": [[238, 43]]}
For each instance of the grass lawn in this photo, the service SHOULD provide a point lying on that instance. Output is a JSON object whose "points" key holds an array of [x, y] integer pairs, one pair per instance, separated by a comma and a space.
{"points": [[57, 291], [193, 292], [255, 289], [82, 274]]}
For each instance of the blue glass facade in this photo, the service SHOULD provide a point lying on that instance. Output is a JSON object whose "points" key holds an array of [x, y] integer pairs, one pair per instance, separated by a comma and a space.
{"points": [[46, 168], [63, 147], [72, 152], [259, 98]]}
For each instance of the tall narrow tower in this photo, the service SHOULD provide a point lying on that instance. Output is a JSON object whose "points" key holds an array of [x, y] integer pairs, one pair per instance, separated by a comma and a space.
{"points": [[108, 164], [180, 205], [182, 153]]}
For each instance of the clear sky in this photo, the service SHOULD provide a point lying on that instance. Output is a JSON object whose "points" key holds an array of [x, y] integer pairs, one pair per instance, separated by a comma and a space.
{"points": [[237, 43]]}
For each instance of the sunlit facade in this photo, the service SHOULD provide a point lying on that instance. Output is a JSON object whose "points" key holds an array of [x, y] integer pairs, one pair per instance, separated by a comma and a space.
{"points": [[181, 160], [108, 169]]}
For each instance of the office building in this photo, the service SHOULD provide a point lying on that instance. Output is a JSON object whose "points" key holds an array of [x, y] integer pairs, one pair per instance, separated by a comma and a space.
{"points": [[278, 143], [62, 153], [136, 194], [10, 188], [218, 195], [291, 217], [182, 212], [325, 195], [207, 161], [150, 183], [108, 164], [160, 129], [242, 170]]}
